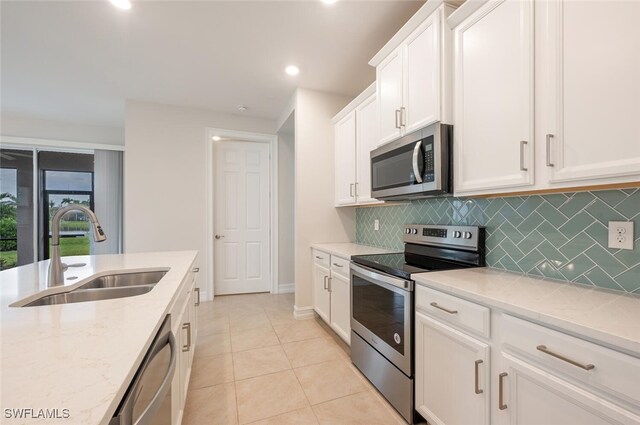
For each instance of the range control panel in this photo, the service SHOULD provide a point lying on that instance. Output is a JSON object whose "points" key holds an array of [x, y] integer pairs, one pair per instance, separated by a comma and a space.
{"points": [[462, 237]]}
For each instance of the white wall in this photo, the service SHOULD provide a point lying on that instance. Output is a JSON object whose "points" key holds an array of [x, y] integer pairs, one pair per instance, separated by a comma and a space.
{"points": [[35, 128], [316, 219], [286, 217], [164, 175]]}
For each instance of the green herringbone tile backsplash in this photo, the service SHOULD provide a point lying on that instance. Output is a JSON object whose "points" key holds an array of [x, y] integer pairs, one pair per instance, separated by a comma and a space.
{"points": [[561, 236]]}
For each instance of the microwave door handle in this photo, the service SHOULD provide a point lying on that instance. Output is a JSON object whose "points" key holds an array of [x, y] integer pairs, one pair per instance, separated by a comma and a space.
{"points": [[416, 167], [147, 416]]}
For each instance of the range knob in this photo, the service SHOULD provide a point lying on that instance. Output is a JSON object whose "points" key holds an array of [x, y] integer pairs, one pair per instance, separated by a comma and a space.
{"points": [[467, 235], [457, 234], [407, 230], [414, 231]]}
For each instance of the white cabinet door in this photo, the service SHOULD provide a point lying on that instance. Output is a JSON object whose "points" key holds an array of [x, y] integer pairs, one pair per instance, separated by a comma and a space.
{"points": [[593, 97], [533, 397], [340, 306], [422, 75], [452, 375], [494, 97], [367, 140], [345, 160], [389, 92], [321, 295]]}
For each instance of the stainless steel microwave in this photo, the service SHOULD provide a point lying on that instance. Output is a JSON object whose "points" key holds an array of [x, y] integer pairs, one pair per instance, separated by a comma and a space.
{"points": [[418, 165]]}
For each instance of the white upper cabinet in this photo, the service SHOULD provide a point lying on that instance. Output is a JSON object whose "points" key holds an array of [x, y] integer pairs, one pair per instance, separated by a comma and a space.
{"points": [[356, 135], [345, 160], [389, 90], [591, 66], [367, 140], [412, 80], [493, 85]]}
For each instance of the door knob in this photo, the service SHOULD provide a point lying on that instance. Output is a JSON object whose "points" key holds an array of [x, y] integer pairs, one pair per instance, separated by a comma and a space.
{"points": [[219, 236]]}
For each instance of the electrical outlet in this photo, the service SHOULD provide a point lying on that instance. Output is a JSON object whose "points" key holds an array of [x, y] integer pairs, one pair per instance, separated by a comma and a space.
{"points": [[621, 234], [376, 224]]}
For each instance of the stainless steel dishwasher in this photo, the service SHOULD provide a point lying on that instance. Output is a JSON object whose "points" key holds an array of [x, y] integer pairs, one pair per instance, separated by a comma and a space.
{"points": [[148, 399]]}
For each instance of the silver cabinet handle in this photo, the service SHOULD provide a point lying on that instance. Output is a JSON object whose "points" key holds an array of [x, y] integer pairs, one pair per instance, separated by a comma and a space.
{"points": [[545, 350], [477, 389], [319, 257], [326, 284], [337, 265], [434, 304], [523, 144], [219, 236], [549, 163], [187, 346], [351, 190], [356, 185], [414, 162], [196, 269], [198, 297], [403, 117], [501, 404], [398, 118], [329, 287]]}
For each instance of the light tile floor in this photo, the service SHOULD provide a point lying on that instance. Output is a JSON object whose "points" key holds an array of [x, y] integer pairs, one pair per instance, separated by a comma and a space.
{"points": [[255, 364]]}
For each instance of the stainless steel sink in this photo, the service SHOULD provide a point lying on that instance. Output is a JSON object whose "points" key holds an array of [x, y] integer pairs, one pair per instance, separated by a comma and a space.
{"points": [[80, 295], [106, 287], [124, 280]]}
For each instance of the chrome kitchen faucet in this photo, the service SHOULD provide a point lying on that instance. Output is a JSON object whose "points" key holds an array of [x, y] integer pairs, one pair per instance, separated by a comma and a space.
{"points": [[56, 266]]}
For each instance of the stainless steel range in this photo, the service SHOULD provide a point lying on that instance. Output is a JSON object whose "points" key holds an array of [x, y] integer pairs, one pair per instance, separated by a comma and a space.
{"points": [[382, 304]]}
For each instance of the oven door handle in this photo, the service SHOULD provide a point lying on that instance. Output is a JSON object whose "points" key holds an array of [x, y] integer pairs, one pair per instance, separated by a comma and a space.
{"points": [[375, 275], [416, 167]]}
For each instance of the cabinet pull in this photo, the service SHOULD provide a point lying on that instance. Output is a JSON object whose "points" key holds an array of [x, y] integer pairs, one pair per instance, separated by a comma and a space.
{"points": [[435, 304], [351, 190], [501, 404], [187, 346], [478, 363], [198, 297], [337, 265], [329, 286], [545, 350], [356, 185], [196, 269], [403, 117], [398, 118], [549, 163], [326, 285], [523, 143], [319, 257]]}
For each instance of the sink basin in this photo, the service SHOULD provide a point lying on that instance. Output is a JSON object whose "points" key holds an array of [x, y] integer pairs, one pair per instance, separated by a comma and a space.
{"points": [[124, 280], [106, 287], [80, 295]]}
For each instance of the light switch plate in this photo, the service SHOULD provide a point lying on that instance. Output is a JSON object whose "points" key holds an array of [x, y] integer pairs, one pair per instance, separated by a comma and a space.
{"points": [[376, 224], [621, 234]]}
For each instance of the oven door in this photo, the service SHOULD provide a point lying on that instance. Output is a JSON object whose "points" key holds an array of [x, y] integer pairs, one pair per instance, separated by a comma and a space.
{"points": [[381, 313]]}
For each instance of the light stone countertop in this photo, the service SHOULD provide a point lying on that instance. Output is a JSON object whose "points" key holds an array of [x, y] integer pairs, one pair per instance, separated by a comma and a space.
{"points": [[605, 316], [349, 249], [80, 356]]}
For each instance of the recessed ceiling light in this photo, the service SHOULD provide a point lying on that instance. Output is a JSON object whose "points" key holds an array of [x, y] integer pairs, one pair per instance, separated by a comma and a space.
{"points": [[121, 4], [216, 138], [242, 108], [292, 70], [328, 1]]}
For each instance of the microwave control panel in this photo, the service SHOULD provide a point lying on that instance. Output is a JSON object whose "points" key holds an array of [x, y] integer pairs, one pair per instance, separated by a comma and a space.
{"points": [[429, 165]]}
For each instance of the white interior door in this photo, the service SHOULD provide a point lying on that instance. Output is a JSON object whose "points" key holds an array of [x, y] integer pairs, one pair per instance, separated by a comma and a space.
{"points": [[242, 230]]}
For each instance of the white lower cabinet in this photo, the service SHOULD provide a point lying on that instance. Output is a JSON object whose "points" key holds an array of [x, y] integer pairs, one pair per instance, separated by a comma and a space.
{"points": [[331, 292], [184, 324], [452, 375], [530, 396], [536, 375]]}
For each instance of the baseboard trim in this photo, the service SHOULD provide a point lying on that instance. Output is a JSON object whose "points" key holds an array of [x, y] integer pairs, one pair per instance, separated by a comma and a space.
{"points": [[286, 288], [300, 313]]}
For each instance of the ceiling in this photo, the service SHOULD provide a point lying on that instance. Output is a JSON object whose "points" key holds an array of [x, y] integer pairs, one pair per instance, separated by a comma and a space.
{"points": [[77, 61]]}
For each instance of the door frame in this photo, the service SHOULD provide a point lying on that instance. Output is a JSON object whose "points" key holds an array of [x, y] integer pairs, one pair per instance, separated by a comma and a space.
{"points": [[240, 136]]}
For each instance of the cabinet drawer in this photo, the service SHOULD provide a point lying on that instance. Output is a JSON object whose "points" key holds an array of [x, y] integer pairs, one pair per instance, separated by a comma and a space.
{"points": [[321, 258], [340, 266], [605, 369], [462, 313]]}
